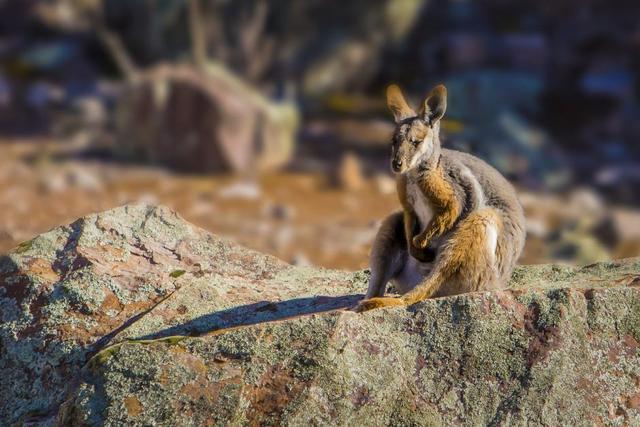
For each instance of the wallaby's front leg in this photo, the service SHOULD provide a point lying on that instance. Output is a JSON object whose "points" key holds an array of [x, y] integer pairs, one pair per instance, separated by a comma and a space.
{"points": [[436, 228], [442, 222], [410, 223], [445, 204], [410, 220]]}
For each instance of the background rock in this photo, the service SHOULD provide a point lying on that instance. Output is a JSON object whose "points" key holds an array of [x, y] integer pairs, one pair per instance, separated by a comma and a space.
{"points": [[134, 316], [203, 121]]}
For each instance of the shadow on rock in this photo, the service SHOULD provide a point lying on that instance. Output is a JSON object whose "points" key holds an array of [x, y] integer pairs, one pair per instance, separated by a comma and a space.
{"points": [[251, 314]]}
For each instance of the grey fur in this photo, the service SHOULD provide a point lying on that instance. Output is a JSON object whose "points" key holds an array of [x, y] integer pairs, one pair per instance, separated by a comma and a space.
{"points": [[390, 253], [475, 184]]}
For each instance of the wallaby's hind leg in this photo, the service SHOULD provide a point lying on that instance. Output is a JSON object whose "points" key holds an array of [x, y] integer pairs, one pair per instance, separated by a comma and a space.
{"points": [[467, 261], [388, 254]]}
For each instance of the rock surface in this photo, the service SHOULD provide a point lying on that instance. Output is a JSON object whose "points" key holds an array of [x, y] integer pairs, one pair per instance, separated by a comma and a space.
{"points": [[135, 317]]}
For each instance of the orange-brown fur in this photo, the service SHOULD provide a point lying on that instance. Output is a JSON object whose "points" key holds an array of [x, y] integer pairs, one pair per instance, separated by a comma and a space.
{"points": [[443, 202], [476, 224], [446, 207], [465, 257]]}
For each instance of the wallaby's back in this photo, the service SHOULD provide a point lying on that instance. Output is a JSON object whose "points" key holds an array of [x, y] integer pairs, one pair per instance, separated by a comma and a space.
{"points": [[499, 194]]}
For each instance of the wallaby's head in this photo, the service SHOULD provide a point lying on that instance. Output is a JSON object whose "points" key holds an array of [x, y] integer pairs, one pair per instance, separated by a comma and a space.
{"points": [[416, 137]]}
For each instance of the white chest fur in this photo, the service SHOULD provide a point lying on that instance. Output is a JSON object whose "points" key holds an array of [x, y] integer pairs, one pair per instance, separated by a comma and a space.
{"points": [[417, 199]]}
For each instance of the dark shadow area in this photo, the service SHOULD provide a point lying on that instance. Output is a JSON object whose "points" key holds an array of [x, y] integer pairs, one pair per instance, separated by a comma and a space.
{"points": [[13, 284], [260, 312]]}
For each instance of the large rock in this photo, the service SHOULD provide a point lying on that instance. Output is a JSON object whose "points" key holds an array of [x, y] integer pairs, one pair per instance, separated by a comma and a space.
{"points": [[203, 121], [135, 317], [67, 293]]}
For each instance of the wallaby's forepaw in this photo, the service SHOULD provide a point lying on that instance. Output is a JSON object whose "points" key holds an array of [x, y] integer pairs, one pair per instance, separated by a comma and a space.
{"points": [[373, 303], [421, 241], [423, 255]]}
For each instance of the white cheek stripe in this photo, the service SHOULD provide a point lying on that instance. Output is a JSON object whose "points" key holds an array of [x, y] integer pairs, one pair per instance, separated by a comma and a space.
{"points": [[424, 151]]}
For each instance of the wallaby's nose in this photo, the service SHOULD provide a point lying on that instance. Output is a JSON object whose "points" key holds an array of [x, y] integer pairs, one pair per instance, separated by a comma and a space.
{"points": [[396, 164]]}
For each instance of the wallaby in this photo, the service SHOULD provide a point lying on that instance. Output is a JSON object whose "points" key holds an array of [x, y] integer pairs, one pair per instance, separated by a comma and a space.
{"points": [[461, 229]]}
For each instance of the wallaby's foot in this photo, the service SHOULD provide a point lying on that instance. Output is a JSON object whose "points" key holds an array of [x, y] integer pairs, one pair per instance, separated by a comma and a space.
{"points": [[373, 303]]}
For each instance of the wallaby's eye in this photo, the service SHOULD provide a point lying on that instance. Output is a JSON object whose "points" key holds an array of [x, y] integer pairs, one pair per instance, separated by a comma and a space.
{"points": [[415, 142]]}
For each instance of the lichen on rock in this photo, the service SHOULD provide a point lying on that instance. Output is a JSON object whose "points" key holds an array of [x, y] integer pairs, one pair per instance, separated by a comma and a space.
{"points": [[135, 317]]}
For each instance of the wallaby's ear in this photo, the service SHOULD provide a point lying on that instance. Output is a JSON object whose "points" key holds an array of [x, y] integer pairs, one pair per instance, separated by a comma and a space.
{"points": [[434, 105], [398, 105]]}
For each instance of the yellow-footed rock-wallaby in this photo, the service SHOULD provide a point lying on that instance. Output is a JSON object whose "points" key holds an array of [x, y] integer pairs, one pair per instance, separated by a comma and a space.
{"points": [[461, 228]]}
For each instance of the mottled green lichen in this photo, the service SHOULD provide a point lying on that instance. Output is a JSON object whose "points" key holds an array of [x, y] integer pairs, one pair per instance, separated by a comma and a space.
{"points": [[560, 337], [23, 247], [450, 360], [177, 273]]}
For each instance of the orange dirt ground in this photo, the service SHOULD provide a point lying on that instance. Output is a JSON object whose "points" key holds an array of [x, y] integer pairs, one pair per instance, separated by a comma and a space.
{"points": [[298, 217]]}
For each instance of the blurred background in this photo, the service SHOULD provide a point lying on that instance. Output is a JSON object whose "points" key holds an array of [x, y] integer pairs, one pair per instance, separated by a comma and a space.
{"points": [[265, 121]]}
